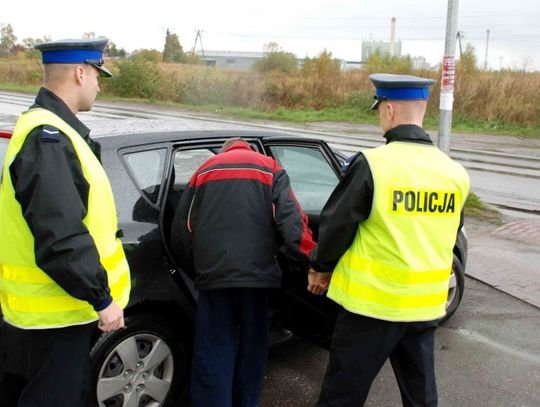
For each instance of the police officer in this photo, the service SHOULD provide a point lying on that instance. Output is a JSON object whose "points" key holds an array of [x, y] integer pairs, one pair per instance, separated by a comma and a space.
{"points": [[62, 266], [385, 240]]}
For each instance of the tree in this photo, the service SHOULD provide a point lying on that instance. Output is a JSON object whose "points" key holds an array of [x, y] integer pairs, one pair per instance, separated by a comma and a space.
{"points": [[275, 59], [384, 62], [173, 51], [29, 44], [112, 51], [147, 55], [323, 66], [468, 61], [7, 39]]}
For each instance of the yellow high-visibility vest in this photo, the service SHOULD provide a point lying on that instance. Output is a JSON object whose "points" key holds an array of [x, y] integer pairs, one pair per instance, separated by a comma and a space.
{"points": [[399, 264], [29, 298]]}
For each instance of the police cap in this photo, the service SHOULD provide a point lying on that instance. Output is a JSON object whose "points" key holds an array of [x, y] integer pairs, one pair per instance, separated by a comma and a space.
{"points": [[399, 87], [82, 51]]}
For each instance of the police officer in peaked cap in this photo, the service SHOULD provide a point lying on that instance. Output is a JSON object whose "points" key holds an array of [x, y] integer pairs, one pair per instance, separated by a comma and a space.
{"points": [[385, 252], [63, 272]]}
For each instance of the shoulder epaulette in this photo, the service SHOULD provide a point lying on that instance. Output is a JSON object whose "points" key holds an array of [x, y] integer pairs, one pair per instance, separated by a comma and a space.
{"points": [[50, 134]]}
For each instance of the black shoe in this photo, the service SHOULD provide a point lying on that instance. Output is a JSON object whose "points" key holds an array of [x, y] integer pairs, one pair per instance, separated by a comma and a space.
{"points": [[279, 336]]}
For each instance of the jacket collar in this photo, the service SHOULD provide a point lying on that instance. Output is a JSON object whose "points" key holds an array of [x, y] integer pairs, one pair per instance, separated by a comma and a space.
{"points": [[46, 99], [238, 146], [408, 132]]}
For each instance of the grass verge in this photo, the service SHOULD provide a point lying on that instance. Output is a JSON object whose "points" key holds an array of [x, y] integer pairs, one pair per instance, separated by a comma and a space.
{"points": [[475, 208]]}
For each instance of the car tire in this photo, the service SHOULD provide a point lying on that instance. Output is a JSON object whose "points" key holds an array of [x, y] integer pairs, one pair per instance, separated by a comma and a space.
{"points": [[456, 288], [146, 361]]}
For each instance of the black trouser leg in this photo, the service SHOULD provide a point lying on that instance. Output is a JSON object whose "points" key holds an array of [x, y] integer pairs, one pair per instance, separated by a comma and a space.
{"points": [[360, 346], [252, 346], [414, 366], [52, 363], [214, 352]]}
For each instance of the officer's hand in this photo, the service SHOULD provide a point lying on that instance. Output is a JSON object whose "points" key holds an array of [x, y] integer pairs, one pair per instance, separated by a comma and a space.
{"points": [[111, 318], [318, 282]]}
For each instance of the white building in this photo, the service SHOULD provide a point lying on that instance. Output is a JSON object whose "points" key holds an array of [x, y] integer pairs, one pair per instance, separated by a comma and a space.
{"points": [[230, 59], [384, 47]]}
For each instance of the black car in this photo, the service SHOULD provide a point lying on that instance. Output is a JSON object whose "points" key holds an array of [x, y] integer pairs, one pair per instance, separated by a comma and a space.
{"points": [[148, 359]]}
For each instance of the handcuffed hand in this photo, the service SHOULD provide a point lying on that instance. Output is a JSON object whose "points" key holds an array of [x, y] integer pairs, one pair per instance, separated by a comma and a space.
{"points": [[318, 282]]}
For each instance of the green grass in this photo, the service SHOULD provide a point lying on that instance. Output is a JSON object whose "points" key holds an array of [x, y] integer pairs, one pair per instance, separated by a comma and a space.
{"points": [[474, 207], [19, 88], [298, 116]]}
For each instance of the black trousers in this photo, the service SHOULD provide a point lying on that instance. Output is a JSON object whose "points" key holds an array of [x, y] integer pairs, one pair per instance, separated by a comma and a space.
{"points": [[44, 367], [361, 345], [231, 346]]}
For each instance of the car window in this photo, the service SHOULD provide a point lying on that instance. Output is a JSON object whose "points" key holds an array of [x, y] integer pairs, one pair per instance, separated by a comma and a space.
{"points": [[147, 169], [186, 162], [312, 177], [3, 149]]}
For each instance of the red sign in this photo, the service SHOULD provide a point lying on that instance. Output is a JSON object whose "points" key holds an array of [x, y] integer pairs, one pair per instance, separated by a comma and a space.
{"points": [[448, 74]]}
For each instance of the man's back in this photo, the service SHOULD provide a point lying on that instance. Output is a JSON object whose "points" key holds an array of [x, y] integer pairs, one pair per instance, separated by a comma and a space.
{"points": [[236, 204], [231, 220]]}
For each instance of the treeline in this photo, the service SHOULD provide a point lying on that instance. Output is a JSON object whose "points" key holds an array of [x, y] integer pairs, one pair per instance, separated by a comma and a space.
{"points": [[10, 46]]}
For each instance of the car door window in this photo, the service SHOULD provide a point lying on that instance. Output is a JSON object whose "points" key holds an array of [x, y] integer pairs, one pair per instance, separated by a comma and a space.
{"points": [[312, 177], [186, 162], [147, 170], [3, 150]]}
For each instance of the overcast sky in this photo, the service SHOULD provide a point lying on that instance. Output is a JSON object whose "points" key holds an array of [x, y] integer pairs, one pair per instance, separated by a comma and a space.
{"points": [[304, 27]]}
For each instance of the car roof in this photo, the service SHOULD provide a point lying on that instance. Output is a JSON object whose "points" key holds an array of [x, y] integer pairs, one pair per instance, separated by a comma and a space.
{"points": [[136, 139]]}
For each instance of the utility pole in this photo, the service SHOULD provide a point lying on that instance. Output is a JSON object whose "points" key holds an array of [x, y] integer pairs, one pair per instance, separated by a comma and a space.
{"points": [[448, 77], [198, 36], [392, 36], [487, 48]]}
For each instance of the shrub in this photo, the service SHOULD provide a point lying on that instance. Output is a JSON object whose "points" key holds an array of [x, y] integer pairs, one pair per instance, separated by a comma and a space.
{"points": [[135, 78], [275, 59]]}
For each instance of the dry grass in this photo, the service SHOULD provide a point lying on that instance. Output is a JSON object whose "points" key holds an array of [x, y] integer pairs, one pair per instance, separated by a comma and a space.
{"points": [[497, 98]]}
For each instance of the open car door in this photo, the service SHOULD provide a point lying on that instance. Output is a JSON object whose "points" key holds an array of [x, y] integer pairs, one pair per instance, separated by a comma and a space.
{"points": [[314, 172]]}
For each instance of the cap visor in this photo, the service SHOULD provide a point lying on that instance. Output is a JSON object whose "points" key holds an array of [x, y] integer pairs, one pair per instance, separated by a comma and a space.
{"points": [[103, 72]]}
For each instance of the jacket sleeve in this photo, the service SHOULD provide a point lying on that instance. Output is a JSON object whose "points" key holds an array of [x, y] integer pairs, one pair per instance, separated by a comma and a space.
{"points": [[181, 234], [53, 193], [349, 204], [291, 221]]}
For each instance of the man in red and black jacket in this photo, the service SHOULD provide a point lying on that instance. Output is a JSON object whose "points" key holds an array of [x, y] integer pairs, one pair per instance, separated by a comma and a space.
{"points": [[226, 229]]}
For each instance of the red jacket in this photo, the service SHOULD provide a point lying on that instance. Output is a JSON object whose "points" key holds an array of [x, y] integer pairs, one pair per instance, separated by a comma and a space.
{"points": [[237, 207]]}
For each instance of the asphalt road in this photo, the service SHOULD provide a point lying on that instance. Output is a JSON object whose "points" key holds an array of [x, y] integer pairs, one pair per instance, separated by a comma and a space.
{"points": [[487, 354]]}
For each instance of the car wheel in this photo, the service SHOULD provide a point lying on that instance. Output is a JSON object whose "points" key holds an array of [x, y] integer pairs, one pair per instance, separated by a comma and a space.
{"points": [[456, 287], [141, 365]]}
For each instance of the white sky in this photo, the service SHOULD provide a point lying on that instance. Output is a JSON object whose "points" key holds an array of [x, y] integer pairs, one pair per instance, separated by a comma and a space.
{"points": [[304, 27]]}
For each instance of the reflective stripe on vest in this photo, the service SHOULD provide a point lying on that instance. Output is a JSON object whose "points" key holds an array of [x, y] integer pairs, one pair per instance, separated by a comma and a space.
{"points": [[398, 266], [28, 296]]}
